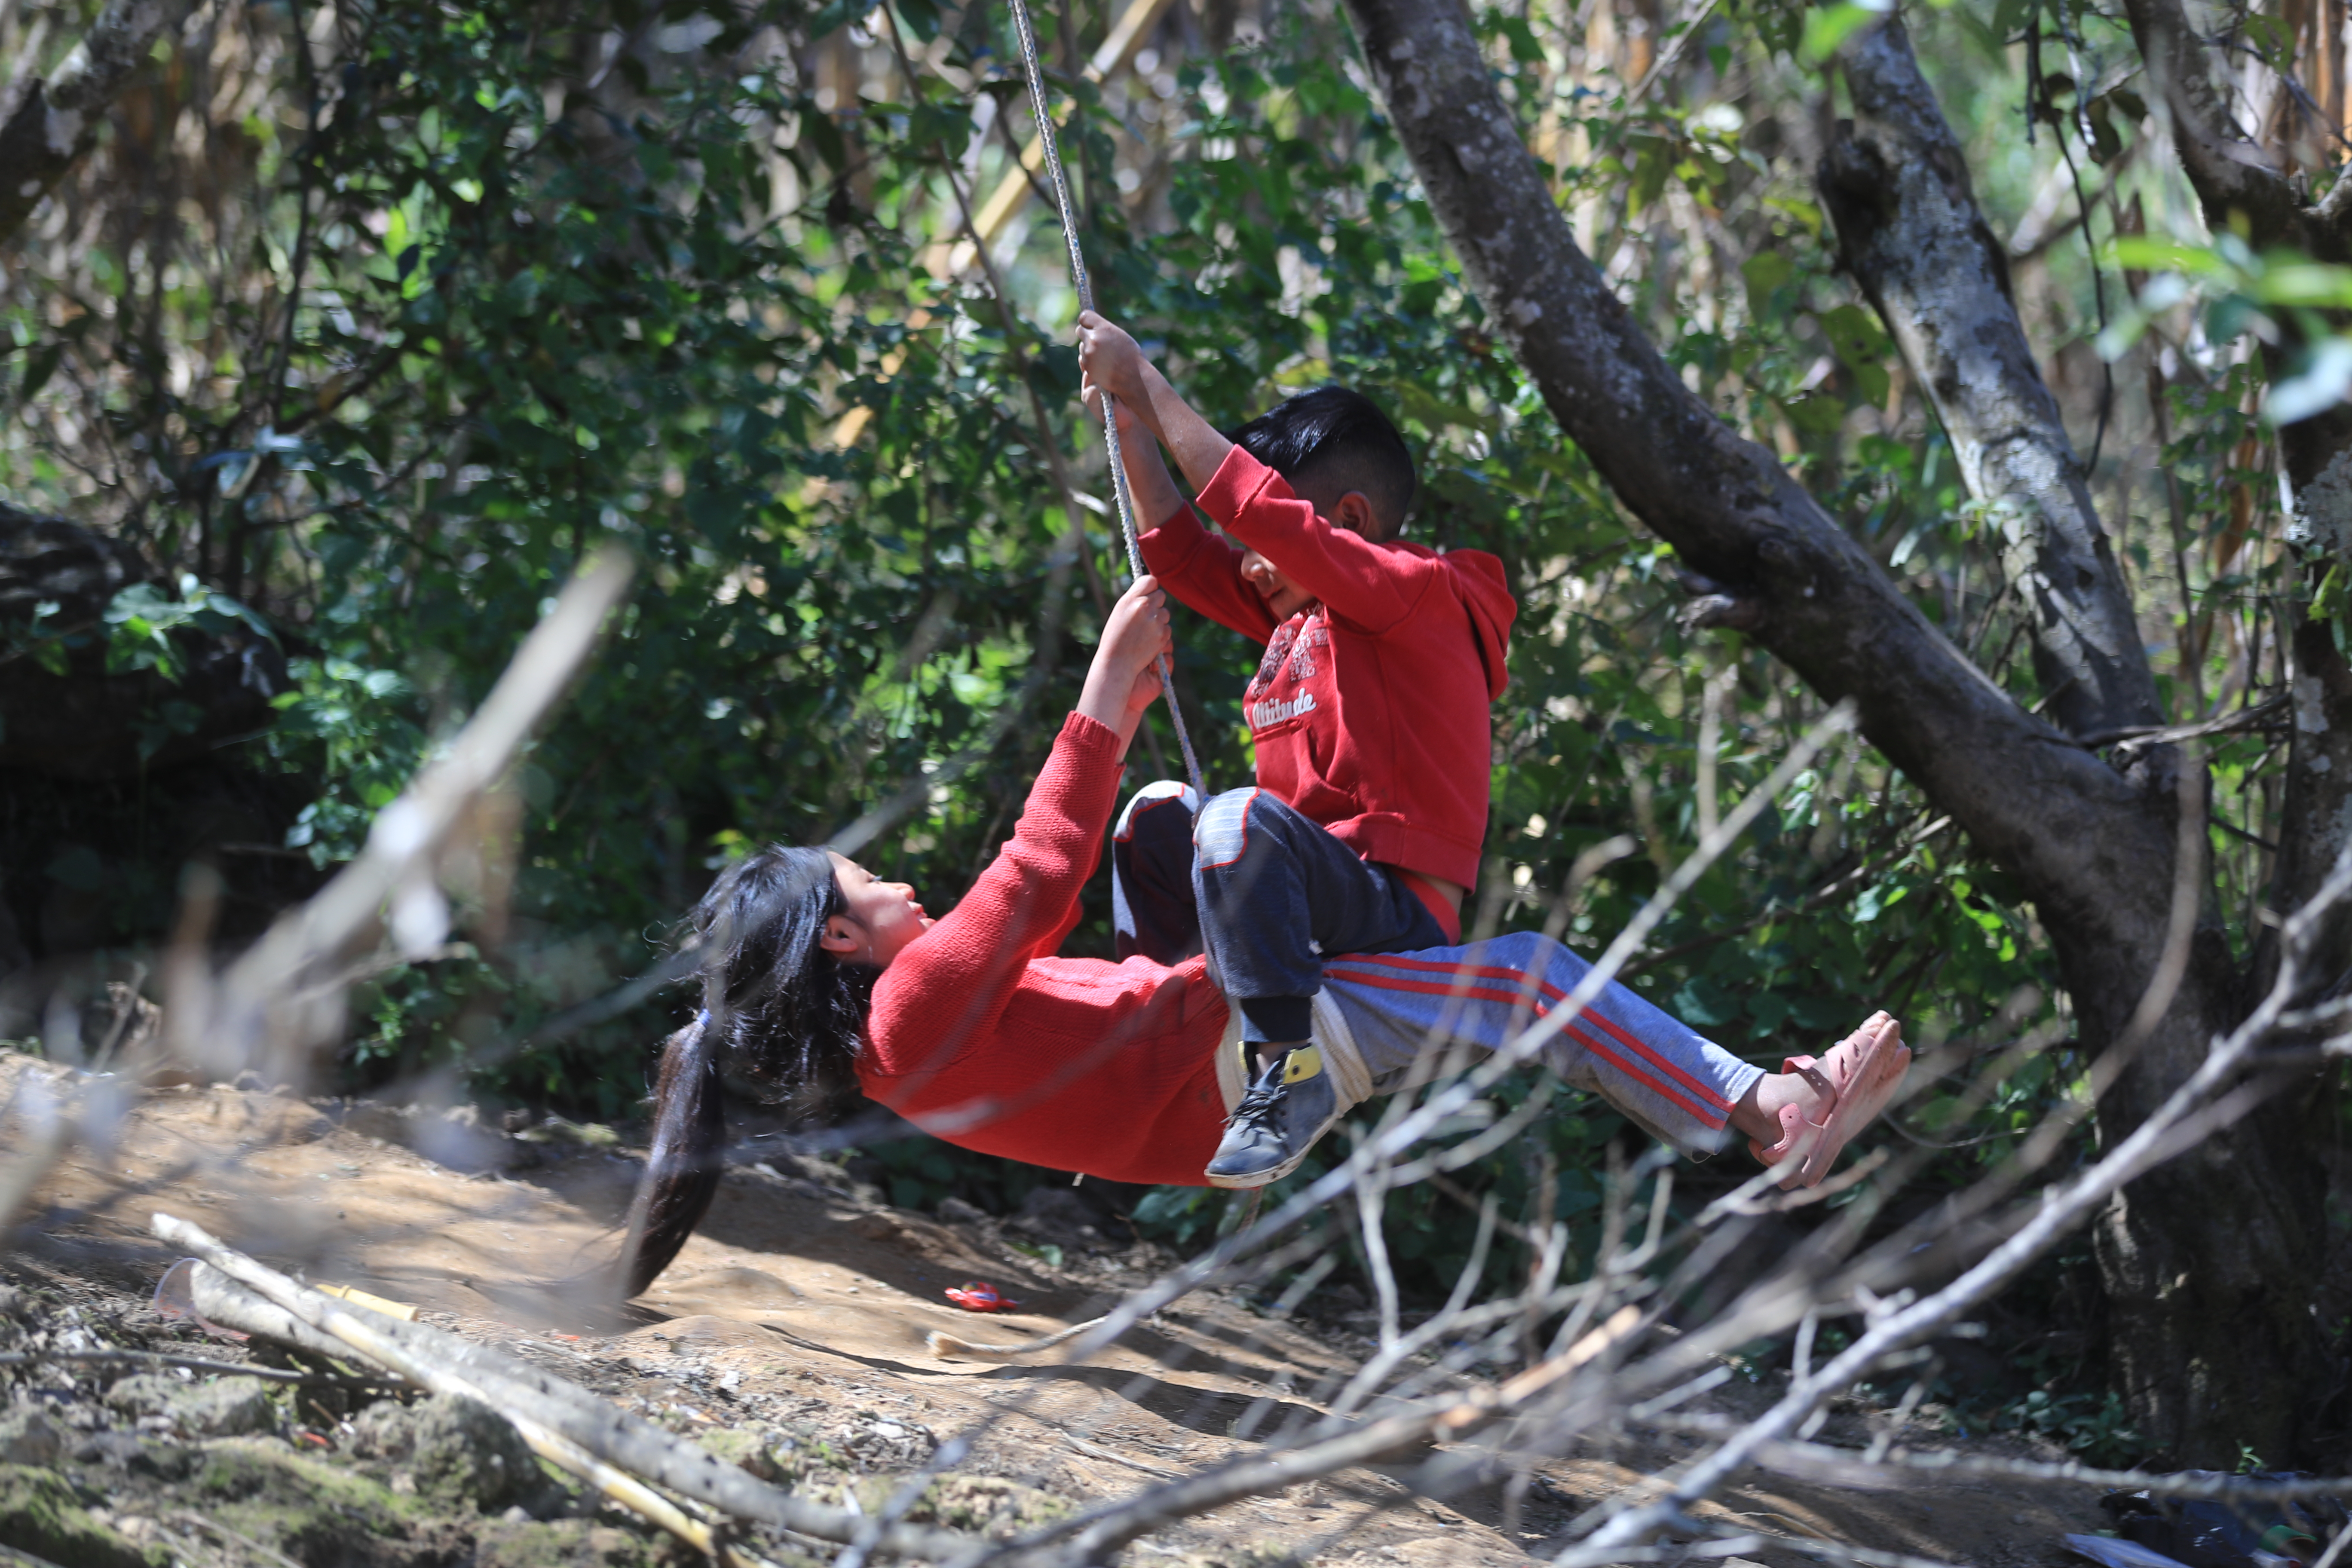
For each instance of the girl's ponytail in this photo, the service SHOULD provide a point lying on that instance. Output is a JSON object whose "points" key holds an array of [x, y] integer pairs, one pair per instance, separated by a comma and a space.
{"points": [[683, 1165], [780, 1015]]}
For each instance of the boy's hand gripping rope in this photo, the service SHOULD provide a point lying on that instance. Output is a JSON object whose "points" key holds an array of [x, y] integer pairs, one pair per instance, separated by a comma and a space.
{"points": [[1120, 494]]}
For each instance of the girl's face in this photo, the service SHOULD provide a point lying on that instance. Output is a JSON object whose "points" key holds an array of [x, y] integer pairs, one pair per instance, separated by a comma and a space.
{"points": [[882, 917]]}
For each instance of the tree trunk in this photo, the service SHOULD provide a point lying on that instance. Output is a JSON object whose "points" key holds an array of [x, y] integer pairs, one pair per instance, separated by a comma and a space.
{"points": [[2213, 1342], [47, 130], [2094, 849], [1898, 189], [2239, 184]]}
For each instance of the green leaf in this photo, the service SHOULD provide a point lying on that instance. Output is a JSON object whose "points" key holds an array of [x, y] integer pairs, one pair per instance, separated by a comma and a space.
{"points": [[2272, 39], [1854, 334], [921, 18], [1704, 1002], [2311, 283], [1046, 1251], [2146, 253], [1831, 26], [1521, 38], [2106, 143], [1765, 273]]}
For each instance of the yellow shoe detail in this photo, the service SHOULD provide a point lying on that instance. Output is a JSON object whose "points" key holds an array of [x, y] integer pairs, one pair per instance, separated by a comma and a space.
{"points": [[1301, 1064]]}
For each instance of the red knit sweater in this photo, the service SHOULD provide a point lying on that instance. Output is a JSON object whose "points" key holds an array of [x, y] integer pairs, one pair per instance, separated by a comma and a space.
{"points": [[979, 1035], [1369, 711]]}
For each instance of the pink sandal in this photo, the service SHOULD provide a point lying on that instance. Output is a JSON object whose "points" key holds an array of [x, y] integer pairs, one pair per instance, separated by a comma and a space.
{"points": [[1869, 1080]]}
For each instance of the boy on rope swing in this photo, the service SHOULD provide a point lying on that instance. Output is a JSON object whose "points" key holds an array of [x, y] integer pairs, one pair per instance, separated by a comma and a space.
{"points": [[1368, 714], [820, 981], [1370, 720]]}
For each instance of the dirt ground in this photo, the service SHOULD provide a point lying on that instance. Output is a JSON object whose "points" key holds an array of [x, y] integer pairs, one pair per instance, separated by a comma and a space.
{"points": [[802, 1306]]}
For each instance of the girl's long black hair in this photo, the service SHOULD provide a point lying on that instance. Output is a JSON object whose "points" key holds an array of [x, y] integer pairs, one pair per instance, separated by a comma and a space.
{"points": [[780, 1015]]}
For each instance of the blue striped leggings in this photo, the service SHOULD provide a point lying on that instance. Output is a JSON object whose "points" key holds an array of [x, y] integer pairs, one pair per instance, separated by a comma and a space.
{"points": [[1401, 1007]]}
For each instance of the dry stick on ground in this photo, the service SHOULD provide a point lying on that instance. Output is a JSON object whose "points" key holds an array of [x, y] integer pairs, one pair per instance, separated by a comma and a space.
{"points": [[196, 1290], [1894, 1328], [618, 1485], [561, 1420], [200, 1363]]}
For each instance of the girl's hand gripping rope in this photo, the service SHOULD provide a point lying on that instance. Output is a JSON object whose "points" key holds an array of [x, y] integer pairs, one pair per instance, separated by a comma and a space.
{"points": [[1124, 675]]}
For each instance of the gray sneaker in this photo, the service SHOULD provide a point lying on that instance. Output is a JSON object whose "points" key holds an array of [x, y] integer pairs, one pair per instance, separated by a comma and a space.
{"points": [[1279, 1120]]}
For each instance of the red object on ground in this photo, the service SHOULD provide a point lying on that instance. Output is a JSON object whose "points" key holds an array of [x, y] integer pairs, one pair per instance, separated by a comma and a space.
{"points": [[980, 1296]]}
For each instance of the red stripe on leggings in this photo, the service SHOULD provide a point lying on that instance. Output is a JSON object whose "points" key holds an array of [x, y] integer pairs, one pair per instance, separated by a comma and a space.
{"points": [[1551, 993], [1711, 1115]]}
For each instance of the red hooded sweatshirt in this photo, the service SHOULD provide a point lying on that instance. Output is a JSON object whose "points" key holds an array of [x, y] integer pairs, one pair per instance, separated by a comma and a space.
{"points": [[1369, 710]]}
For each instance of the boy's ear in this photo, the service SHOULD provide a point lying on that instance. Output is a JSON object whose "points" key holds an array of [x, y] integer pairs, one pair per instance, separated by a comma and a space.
{"points": [[1354, 512]]}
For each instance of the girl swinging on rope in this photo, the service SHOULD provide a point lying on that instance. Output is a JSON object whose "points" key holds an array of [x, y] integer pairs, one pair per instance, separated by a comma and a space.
{"points": [[822, 980]]}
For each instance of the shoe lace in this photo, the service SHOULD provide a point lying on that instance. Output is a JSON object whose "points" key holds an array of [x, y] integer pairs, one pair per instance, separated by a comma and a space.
{"points": [[1260, 1104]]}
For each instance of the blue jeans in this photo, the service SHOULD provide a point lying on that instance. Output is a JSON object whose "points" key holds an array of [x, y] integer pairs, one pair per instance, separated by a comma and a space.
{"points": [[1265, 891]]}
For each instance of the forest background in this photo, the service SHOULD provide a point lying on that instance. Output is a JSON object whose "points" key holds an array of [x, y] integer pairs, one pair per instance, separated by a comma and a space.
{"points": [[362, 321]]}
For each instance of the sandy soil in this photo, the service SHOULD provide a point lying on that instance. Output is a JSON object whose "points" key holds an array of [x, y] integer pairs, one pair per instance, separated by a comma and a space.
{"points": [[803, 1301]]}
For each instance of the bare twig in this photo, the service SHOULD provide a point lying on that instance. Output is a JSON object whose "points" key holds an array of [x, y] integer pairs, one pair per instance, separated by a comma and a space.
{"points": [[2260, 715], [249, 1016], [1893, 1330], [1846, 1465], [1093, 1537], [198, 1364]]}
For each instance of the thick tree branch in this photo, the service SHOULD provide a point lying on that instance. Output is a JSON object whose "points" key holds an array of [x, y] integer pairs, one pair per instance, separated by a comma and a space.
{"points": [[47, 130], [2078, 836], [1898, 188], [2231, 172], [2237, 184]]}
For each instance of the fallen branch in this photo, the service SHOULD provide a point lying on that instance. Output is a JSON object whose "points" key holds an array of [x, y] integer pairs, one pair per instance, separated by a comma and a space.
{"points": [[560, 1420], [945, 1345], [1842, 1465], [199, 1363], [1095, 1450], [217, 1303]]}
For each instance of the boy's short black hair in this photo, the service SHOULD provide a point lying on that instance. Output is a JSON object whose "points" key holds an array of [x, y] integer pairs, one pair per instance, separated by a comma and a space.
{"points": [[1333, 436]]}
